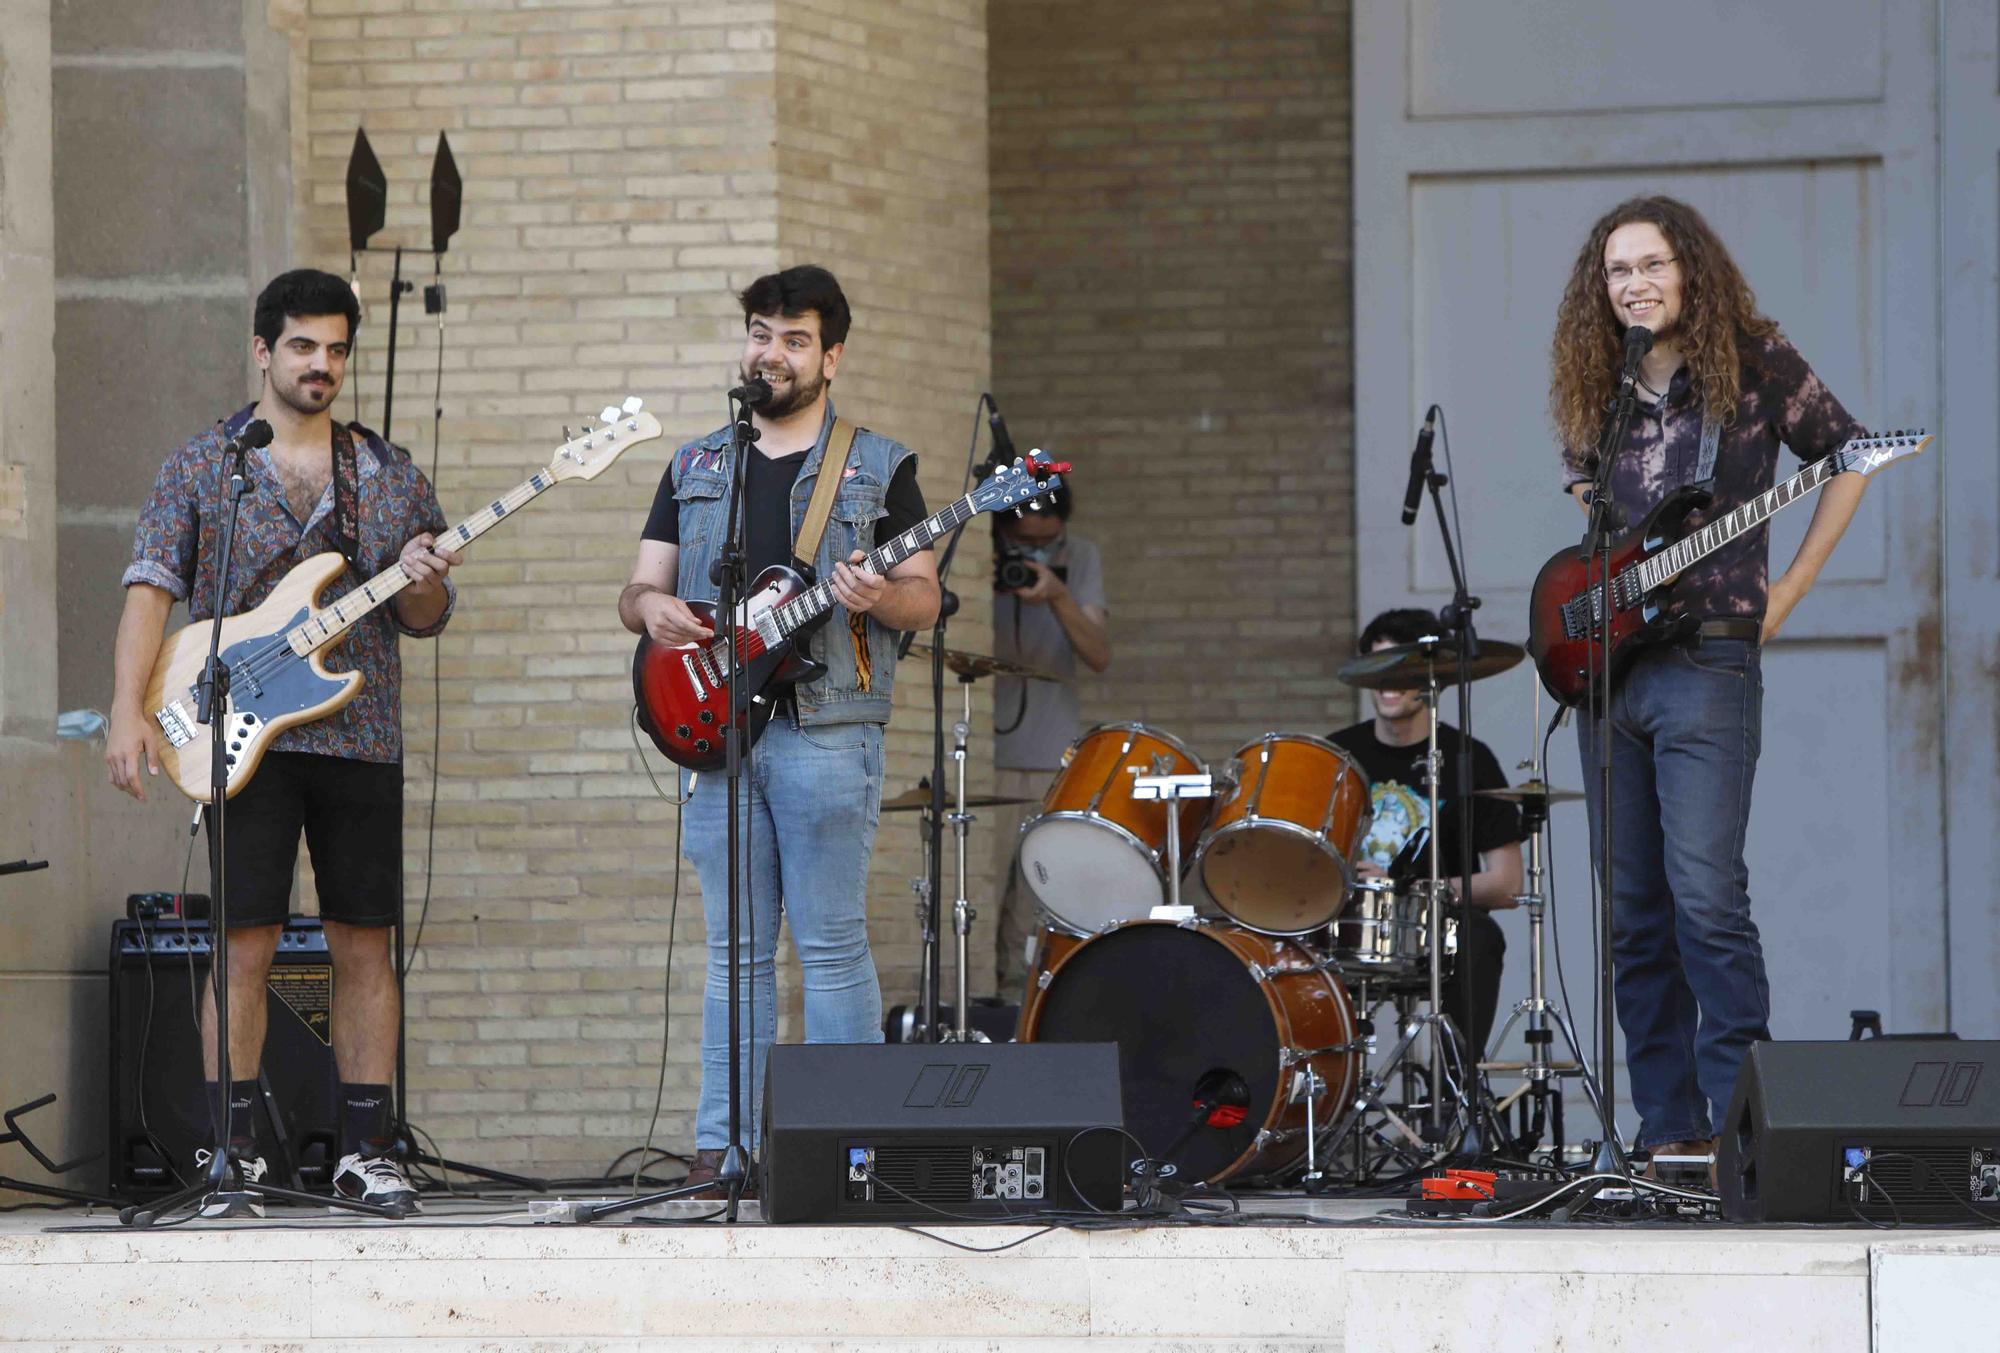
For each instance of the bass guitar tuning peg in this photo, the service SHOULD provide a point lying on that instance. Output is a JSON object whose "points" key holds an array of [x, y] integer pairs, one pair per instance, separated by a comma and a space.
{"points": [[609, 414], [633, 404]]}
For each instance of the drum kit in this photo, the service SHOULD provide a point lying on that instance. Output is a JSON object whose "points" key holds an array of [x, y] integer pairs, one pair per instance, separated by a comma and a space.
{"points": [[1211, 921]]}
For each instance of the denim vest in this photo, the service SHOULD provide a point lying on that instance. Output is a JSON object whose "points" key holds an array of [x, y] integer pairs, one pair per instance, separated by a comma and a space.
{"points": [[859, 652]]}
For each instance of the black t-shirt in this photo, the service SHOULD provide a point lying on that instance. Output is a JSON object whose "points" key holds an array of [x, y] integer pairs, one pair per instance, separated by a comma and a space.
{"points": [[768, 508], [1402, 806]]}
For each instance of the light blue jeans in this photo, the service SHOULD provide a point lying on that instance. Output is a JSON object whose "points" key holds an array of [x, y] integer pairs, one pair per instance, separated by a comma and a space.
{"points": [[1687, 963], [815, 795]]}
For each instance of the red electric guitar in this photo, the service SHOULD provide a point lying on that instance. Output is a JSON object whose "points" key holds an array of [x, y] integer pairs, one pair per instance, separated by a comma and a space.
{"points": [[1567, 604], [683, 701]]}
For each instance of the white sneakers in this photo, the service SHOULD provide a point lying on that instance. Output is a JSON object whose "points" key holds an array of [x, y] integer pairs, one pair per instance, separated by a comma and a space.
{"points": [[230, 1204], [374, 1179]]}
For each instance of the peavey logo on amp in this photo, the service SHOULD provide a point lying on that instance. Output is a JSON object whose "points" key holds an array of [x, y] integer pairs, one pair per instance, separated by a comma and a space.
{"points": [[940, 1085], [1940, 1085]]}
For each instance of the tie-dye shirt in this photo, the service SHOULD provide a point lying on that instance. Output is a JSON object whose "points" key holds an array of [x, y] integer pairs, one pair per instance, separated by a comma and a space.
{"points": [[178, 543], [1782, 401]]}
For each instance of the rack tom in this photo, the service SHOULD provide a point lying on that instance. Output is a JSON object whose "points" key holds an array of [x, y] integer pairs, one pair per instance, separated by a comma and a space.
{"points": [[1095, 855], [1279, 853]]}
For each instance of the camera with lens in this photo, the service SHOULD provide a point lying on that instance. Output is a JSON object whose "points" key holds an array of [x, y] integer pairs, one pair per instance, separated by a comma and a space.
{"points": [[1011, 570]]}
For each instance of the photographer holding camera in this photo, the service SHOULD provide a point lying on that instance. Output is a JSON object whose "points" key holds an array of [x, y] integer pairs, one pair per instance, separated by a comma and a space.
{"points": [[1048, 612]]}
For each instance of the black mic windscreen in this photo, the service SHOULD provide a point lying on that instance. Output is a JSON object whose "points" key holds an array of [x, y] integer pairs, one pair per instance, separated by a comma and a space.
{"points": [[1638, 342], [257, 433]]}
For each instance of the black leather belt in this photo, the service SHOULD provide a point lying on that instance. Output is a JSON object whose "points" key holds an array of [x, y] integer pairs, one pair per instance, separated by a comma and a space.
{"points": [[1730, 627]]}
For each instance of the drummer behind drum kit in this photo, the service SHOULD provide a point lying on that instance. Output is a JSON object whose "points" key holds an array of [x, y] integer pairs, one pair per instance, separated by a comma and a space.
{"points": [[1244, 1022]]}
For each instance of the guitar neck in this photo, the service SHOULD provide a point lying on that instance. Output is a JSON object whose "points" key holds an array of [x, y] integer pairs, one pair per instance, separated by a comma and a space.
{"points": [[340, 617], [816, 600], [1692, 548]]}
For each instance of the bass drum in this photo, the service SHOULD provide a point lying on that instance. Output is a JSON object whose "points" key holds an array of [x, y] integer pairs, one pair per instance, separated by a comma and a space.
{"points": [[1215, 1026]]}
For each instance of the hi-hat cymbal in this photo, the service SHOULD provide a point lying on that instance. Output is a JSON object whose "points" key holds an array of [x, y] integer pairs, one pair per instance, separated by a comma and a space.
{"points": [[972, 666], [1531, 791], [1404, 667], [919, 796]]}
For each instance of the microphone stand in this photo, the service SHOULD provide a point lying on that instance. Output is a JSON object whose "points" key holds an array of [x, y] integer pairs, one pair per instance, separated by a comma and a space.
{"points": [[1456, 620], [222, 1180], [727, 573], [1604, 519]]}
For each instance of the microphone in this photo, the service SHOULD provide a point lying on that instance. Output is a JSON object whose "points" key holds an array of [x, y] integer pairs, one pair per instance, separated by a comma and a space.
{"points": [[256, 432], [754, 393], [1638, 342], [1002, 450], [1420, 464]]}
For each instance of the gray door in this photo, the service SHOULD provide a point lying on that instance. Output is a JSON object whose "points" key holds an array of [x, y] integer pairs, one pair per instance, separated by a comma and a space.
{"points": [[1487, 138]]}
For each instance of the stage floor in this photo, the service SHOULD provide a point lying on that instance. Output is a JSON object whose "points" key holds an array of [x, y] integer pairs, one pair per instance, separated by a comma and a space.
{"points": [[1291, 1274]]}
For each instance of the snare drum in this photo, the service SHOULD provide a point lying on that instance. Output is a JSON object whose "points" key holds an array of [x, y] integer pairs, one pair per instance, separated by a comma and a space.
{"points": [[1278, 855], [1204, 1013], [1383, 934], [1095, 855]]}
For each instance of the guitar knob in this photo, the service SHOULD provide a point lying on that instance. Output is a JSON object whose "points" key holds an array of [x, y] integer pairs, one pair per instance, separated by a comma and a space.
{"points": [[681, 730], [708, 716], [701, 744]]}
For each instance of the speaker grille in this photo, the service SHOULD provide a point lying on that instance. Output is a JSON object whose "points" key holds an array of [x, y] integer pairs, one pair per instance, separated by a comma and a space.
{"points": [[935, 1173]]}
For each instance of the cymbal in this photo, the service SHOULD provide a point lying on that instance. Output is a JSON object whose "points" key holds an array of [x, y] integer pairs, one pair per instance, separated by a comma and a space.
{"points": [[1531, 791], [1403, 667], [972, 666], [918, 797]]}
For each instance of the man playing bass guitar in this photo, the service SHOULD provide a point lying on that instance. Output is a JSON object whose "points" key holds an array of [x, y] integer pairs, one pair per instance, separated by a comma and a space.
{"points": [[815, 793], [1718, 392], [320, 485]]}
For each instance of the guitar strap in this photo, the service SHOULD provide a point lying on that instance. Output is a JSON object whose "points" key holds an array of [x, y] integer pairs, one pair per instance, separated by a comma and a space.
{"points": [[832, 467], [346, 498], [1711, 439]]}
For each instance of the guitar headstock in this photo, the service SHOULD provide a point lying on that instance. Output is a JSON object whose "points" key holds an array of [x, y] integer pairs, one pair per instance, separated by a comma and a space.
{"points": [[1866, 455], [1015, 485], [618, 428]]}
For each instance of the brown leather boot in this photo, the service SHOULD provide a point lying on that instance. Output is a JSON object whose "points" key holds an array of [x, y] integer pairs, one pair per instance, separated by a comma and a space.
{"points": [[707, 1164]]}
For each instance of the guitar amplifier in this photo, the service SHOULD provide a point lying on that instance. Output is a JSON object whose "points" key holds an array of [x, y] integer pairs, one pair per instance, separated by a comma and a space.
{"points": [[1878, 1130], [159, 1115], [905, 1132]]}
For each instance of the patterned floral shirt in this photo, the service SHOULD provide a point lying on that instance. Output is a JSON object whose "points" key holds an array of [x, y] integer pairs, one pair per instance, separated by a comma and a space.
{"points": [[179, 538], [1782, 401]]}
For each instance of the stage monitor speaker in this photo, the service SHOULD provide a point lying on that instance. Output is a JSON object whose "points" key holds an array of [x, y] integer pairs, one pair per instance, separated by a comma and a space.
{"points": [[1879, 1129], [928, 1132], [158, 1117]]}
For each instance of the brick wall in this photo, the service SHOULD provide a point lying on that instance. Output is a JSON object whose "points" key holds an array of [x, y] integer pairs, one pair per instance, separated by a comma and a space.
{"points": [[1171, 246], [627, 167]]}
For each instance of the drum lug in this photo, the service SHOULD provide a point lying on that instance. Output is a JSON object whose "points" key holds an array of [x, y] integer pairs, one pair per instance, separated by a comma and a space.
{"points": [[1264, 1138], [1043, 978], [1259, 973]]}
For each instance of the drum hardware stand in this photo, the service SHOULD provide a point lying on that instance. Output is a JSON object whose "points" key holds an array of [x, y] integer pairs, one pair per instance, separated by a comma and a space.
{"points": [[1437, 1021], [1164, 787], [1369, 1094], [961, 907]]}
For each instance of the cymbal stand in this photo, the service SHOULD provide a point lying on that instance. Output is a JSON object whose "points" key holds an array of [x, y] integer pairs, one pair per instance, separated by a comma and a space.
{"points": [[1437, 1020], [1545, 1017], [962, 912]]}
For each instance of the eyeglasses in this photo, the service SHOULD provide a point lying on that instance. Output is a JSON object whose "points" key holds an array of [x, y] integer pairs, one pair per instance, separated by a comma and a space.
{"points": [[1652, 269]]}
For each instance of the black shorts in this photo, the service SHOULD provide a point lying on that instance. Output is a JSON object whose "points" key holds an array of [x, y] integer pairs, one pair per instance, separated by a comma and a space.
{"points": [[352, 815]]}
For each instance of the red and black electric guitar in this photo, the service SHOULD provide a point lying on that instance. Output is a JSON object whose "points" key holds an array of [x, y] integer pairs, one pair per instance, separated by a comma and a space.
{"points": [[681, 690], [1567, 605]]}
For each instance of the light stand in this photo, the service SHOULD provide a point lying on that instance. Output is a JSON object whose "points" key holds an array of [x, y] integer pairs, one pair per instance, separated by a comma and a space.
{"points": [[222, 1181], [728, 573]]}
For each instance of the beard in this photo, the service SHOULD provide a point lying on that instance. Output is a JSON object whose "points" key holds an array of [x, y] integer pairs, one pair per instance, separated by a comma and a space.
{"points": [[305, 398], [799, 393]]}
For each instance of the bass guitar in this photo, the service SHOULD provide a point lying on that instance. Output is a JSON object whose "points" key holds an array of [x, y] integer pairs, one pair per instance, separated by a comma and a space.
{"points": [[277, 679], [1567, 610], [682, 690]]}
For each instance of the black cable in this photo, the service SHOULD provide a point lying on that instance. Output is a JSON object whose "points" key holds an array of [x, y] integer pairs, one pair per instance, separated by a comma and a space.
{"points": [[1021, 711], [437, 689], [1894, 1211], [977, 1249], [667, 984], [1987, 1218], [146, 1030]]}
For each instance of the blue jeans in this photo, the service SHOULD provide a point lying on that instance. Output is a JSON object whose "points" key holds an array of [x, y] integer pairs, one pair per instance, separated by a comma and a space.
{"points": [[1687, 966], [815, 795]]}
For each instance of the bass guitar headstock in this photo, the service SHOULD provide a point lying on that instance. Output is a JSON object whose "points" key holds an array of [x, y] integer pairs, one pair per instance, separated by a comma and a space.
{"points": [[618, 428]]}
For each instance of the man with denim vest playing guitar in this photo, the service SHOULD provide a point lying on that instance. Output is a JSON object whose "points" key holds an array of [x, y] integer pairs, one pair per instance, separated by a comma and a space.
{"points": [[814, 792]]}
